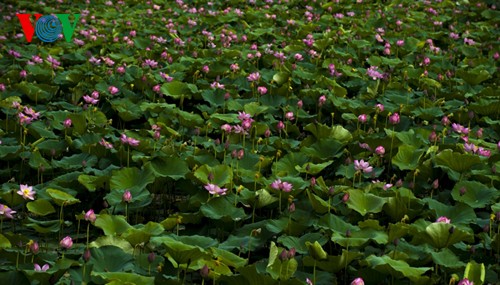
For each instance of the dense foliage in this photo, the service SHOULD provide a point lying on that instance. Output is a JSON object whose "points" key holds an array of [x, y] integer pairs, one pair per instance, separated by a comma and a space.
{"points": [[234, 142]]}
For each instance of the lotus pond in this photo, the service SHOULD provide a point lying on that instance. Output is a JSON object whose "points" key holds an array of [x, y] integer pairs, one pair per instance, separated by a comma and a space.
{"points": [[251, 142]]}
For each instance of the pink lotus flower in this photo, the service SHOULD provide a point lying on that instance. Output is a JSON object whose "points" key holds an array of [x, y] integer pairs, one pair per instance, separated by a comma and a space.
{"points": [[362, 118], [379, 108], [128, 140], [361, 165], [262, 90], [283, 186], [465, 281], [67, 123], [66, 242], [44, 268], [394, 119], [90, 216], [300, 104], [127, 196], [26, 191], [6, 211], [380, 150], [443, 219], [105, 144], [289, 116], [321, 100], [113, 90], [242, 116], [215, 190], [226, 128], [358, 281], [253, 76]]}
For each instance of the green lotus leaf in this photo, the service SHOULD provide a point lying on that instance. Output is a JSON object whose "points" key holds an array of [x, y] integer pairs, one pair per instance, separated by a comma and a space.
{"points": [[76, 161], [438, 235], [364, 203], [319, 205], [142, 233], [278, 225], [398, 268], [449, 160], [446, 258], [220, 207], [316, 251], [228, 258], [37, 161], [127, 110], [179, 253], [4, 242], [341, 134], [250, 275], [131, 178], [115, 241], [407, 157], [477, 195], [286, 165], [61, 198], [44, 227], [300, 243], [359, 238], [335, 223], [8, 150], [474, 76], [333, 264], [222, 174], [281, 77], [475, 272], [176, 90], [459, 214], [116, 278], [40, 207], [18, 277], [37, 92], [92, 182], [264, 198], [40, 130], [173, 167], [312, 168], [112, 224]]}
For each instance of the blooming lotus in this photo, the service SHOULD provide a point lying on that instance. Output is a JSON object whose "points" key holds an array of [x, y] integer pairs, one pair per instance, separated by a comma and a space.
{"points": [[26, 191], [215, 189], [44, 268], [361, 165], [443, 219], [6, 211]]}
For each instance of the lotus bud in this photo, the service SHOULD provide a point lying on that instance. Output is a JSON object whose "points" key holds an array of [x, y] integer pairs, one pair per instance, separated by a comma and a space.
{"points": [[34, 247], [86, 255], [283, 255], [463, 190], [291, 253], [151, 257], [204, 271], [345, 198]]}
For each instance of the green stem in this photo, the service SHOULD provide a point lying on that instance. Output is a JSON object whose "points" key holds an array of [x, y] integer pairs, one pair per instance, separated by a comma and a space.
{"points": [[88, 230]]}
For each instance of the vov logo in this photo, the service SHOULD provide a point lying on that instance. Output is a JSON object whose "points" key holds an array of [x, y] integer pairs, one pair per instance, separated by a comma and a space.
{"points": [[48, 28]]}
